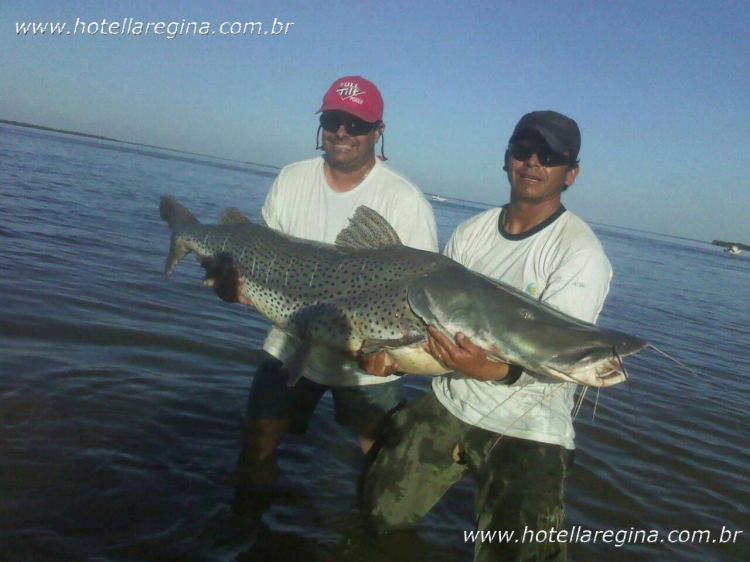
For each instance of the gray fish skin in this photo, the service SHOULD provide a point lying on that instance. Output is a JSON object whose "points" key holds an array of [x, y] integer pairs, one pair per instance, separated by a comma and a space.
{"points": [[370, 293]]}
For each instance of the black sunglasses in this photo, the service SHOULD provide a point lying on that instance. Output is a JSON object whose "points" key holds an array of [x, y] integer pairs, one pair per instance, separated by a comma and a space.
{"points": [[547, 157], [331, 122]]}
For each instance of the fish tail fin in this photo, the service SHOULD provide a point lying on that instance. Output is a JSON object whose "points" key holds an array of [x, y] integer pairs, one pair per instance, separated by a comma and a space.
{"points": [[176, 215], [178, 218]]}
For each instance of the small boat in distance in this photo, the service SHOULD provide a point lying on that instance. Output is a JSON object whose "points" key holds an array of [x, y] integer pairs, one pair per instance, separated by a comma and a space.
{"points": [[733, 249], [439, 198]]}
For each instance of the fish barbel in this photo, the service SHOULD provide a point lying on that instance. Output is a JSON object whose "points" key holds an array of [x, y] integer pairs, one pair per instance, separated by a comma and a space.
{"points": [[368, 292]]}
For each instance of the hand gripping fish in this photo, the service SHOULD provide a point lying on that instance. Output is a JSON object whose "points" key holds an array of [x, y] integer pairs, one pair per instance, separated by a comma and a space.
{"points": [[368, 292]]}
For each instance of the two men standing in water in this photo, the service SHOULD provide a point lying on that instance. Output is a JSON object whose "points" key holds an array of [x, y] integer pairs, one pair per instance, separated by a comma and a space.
{"points": [[511, 429]]}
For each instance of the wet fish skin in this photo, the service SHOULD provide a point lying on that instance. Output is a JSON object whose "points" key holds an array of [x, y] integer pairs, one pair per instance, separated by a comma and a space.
{"points": [[370, 292]]}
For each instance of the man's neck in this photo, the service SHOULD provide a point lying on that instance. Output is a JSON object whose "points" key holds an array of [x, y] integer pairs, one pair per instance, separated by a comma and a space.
{"points": [[342, 181], [521, 216]]}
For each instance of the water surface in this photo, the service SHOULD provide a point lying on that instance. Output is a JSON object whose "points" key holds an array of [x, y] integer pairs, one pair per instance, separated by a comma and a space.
{"points": [[121, 391]]}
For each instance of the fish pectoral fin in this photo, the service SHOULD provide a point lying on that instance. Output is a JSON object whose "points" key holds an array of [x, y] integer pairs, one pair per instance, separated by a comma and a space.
{"points": [[296, 364], [374, 346], [233, 216], [367, 230]]}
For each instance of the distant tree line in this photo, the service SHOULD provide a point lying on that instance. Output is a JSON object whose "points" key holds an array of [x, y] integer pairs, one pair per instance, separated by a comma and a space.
{"points": [[730, 244], [42, 128]]}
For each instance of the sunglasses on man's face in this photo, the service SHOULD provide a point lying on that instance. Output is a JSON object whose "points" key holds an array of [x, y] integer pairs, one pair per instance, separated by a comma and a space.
{"points": [[547, 157], [354, 126]]}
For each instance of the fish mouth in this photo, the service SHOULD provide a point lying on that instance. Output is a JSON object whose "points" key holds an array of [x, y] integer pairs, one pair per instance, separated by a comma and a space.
{"points": [[602, 374], [599, 366]]}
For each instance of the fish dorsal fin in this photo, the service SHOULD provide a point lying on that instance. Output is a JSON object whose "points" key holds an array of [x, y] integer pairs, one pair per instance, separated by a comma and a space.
{"points": [[367, 230], [233, 216]]}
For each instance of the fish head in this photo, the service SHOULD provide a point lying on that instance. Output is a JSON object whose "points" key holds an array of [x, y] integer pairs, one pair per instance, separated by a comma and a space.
{"points": [[593, 358], [513, 327]]}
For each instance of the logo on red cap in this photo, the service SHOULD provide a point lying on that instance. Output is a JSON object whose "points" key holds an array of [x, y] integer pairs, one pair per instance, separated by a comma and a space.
{"points": [[355, 95], [350, 91]]}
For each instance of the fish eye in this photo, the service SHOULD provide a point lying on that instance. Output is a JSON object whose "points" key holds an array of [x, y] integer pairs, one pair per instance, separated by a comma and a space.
{"points": [[525, 314]]}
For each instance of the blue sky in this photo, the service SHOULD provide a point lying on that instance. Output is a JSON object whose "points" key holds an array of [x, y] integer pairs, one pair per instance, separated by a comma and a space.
{"points": [[661, 91]]}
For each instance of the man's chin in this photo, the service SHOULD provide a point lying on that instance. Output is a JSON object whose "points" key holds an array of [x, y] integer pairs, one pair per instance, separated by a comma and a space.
{"points": [[342, 161], [535, 196]]}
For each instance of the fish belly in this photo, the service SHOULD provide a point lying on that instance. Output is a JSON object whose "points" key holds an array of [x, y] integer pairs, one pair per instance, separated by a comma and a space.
{"points": [[416, 361]]}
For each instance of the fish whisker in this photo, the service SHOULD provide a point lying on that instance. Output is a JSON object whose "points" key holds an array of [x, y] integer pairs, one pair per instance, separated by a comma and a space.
{"points": [[522, 416], [680, 363], [580, 401], [596, 403]]}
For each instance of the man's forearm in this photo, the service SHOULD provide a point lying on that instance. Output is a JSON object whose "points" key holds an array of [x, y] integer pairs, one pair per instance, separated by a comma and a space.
{"points": [[492, 371]]}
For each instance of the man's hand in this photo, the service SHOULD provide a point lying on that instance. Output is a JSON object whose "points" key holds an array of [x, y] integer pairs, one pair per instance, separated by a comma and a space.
{"points": [[465, 357], [378, 365], [227, 283]]}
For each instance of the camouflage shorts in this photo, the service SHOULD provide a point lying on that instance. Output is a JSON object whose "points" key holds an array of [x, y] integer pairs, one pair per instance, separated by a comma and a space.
{"points": [[519, 484]]}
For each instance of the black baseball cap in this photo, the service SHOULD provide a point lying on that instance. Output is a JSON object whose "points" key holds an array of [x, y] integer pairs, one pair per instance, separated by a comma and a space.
{"points": [[560, 132]]}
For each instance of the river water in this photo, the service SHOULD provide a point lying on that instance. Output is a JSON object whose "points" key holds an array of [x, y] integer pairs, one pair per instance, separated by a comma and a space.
{"points": [[121, 390]]}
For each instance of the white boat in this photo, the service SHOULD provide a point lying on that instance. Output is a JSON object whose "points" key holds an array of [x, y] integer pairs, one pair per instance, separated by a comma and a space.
{"points": [[439, 198], [733, 249]]}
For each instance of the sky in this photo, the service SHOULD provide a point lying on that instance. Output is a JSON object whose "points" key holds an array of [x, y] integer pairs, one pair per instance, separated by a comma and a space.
{"points": [[660, 90]]}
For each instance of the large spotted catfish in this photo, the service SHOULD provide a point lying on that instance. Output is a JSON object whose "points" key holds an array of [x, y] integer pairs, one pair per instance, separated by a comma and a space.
{"points": [[368, 292]]}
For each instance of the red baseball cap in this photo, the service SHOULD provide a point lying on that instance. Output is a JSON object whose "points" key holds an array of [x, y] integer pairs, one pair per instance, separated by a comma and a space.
{"points": [[355, 95]]}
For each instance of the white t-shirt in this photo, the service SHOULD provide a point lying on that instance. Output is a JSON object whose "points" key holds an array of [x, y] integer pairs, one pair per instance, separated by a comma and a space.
{"points": [[562, 263], [301, 203]]}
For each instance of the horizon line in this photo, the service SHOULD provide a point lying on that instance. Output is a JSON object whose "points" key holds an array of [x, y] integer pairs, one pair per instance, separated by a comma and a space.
{"points": [[111, 139]]}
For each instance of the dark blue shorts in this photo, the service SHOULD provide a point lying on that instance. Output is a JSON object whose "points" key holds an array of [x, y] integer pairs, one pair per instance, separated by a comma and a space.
{"points": [[270, 398]]}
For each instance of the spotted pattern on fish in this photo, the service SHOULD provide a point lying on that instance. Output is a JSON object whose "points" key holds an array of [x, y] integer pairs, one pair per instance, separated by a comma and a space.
{"points": [[370, 292], [335, 295]]}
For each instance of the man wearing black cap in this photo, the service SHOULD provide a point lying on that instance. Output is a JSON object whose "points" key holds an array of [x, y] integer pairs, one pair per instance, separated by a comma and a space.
{"points": [[510, 428]]}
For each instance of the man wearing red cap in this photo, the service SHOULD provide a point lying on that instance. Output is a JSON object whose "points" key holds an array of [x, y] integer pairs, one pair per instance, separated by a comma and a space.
{"points": [[314, 199], [511, 429]]}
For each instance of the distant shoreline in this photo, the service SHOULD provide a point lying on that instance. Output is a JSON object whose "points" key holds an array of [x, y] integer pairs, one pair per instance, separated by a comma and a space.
{"points": [[724, 244], [651, 232], [109, 139]]}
